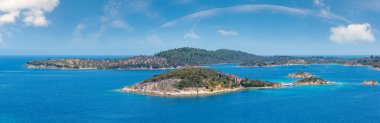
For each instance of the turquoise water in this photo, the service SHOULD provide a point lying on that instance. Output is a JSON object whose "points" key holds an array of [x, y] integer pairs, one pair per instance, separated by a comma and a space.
{"points": [[28, 95]]}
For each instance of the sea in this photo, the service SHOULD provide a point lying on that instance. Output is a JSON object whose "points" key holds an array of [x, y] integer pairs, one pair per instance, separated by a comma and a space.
{"points": [[91, 96]]}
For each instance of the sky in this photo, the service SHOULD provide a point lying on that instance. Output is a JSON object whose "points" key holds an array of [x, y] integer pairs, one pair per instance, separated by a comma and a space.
{"points": [[145, 27]]}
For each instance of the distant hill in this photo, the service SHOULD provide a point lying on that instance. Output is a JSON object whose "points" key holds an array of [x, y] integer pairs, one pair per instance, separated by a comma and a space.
{"points": [[373, 61], [194, 56], [186, 56]]}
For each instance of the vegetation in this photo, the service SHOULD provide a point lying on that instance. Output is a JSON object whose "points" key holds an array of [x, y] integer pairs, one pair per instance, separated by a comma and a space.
{"points": [[301, 74], [373, 61], [208, 78], [187, 56], [282, 60], [193, 56], [195, 77], [138, 62], [312, 80], [258, 83]]}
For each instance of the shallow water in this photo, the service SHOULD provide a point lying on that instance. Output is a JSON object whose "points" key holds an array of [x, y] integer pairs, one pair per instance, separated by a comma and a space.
{"points": [[29, 95]]}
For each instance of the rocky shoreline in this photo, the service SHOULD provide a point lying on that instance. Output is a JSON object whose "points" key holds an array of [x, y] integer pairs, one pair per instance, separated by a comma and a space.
{"points": [[166, 87], [370, 82], [301, 75], [167, 84], [186, 92], [29, 66], [195, 81]]}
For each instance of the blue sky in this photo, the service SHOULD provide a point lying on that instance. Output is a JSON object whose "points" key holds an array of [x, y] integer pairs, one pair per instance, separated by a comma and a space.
{"points": [[136, 27]]}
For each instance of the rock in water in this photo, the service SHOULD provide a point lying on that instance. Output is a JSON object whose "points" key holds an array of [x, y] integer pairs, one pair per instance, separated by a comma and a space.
{"points": [[301, 75], [312, 81], [369, 82]]}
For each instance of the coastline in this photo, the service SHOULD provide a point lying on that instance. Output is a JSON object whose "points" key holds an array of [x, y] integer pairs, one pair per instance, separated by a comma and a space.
{"points": [[187, 94], [65, 68], [181, 93], [360, 65], [204, 93]]}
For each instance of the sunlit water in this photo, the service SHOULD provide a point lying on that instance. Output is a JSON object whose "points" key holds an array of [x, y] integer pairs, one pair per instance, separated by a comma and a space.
{"points": [[28, 95]]}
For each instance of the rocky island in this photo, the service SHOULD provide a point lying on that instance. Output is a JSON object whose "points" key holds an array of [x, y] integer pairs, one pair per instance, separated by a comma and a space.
{"points": [[195, 81], [312, 81], [369, 82], [301, 75]]}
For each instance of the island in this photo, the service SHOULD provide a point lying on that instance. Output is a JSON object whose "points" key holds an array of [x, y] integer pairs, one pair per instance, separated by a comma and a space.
{"points": [[174, 58], [370, 82], [195, 81], [132, 63], [301, 74], [312, 81], [187, 57]]}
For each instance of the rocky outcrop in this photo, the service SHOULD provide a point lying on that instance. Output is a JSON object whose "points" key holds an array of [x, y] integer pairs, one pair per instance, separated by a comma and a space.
{"points": [[301, 75], [369, 82], [312, 81], [167, 88]]}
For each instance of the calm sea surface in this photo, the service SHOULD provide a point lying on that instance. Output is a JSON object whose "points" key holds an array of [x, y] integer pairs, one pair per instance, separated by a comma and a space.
{"points": [[68, 96]]}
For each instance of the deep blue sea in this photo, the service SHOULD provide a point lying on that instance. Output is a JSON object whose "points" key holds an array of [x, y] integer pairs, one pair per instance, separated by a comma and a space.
{"points": [[70, 96]]}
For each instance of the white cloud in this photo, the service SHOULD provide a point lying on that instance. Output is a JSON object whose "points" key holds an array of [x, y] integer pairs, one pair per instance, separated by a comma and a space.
{"points": [[32, 11], [324, 9], [352, 33], [35, 17], [1, 38], [80, 27], [318, 2], [120, 24], [114, 16], [78, 30], [191, 35], [227, 33], [247, 9], [9, 17], [153, 38]]}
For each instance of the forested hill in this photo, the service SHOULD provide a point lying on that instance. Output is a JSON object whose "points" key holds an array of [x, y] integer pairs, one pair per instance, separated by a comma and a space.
{"points": [[187, 56], [373, 61]]}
